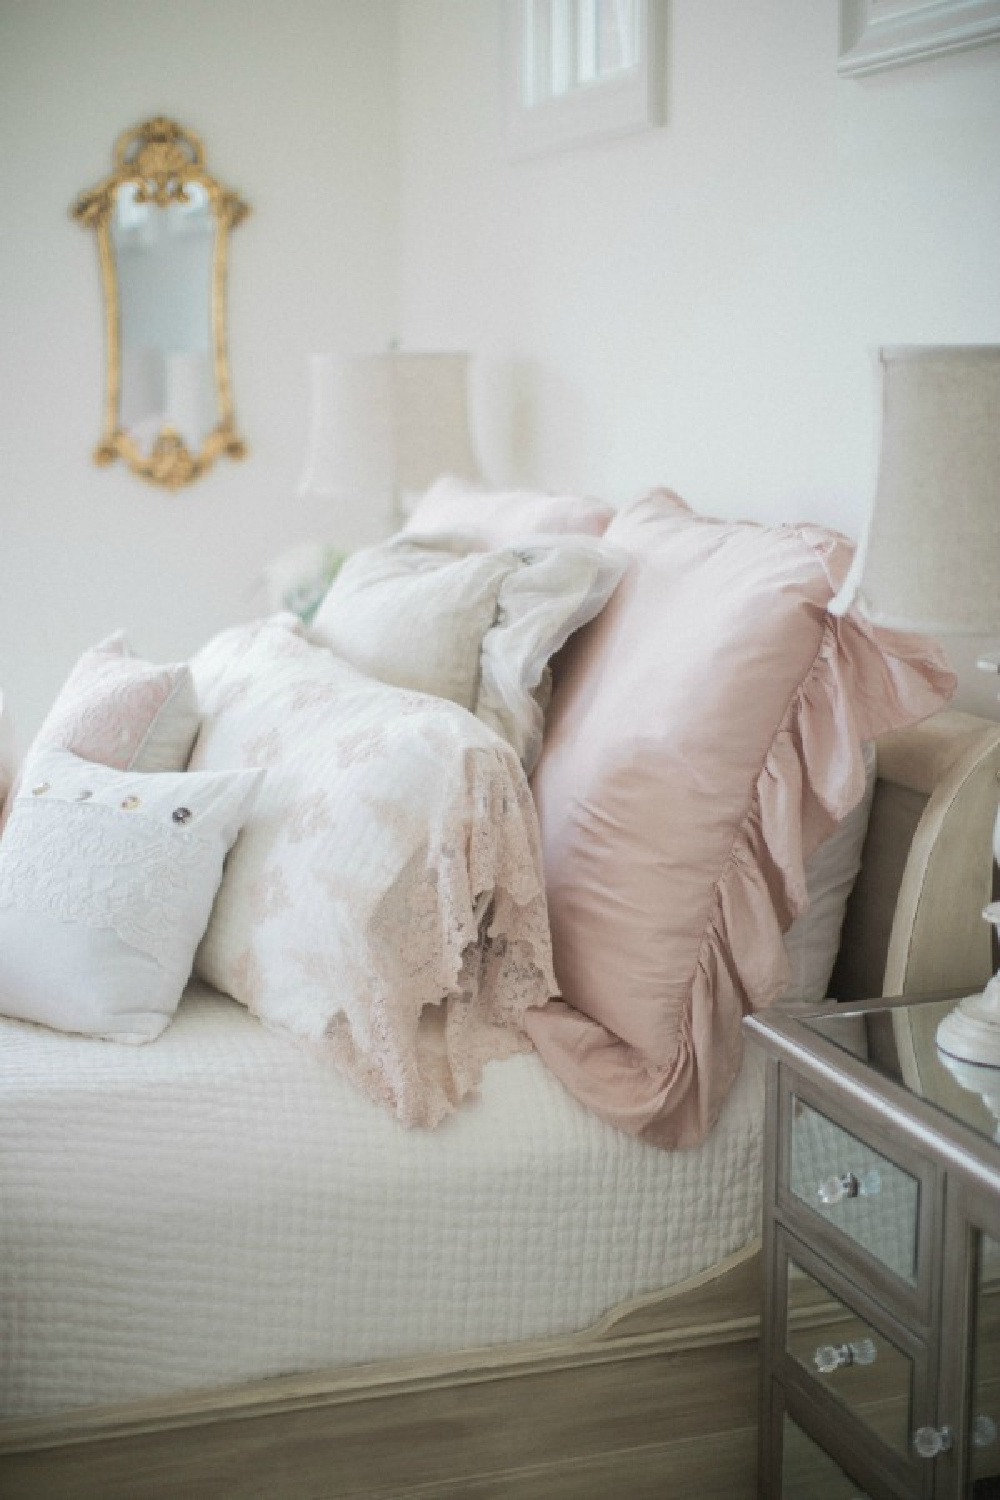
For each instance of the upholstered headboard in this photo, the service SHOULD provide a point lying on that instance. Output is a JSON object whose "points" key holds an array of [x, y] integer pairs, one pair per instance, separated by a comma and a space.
{"points": [[914, 921]]}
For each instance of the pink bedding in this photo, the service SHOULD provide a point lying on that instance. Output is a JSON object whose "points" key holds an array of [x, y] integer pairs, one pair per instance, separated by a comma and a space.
{"points": [[705, 734]]}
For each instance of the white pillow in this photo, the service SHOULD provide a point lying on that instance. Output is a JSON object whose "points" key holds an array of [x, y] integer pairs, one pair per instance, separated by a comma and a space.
{"points": [[385, 903], [107, 880], [478, 628]]}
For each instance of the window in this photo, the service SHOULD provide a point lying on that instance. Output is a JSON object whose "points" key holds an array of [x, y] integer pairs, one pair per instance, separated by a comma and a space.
{"points": [[582, 69]]}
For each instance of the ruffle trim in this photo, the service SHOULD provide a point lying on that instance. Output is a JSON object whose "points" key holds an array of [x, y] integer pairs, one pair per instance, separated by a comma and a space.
{"points": [[864, 682]]}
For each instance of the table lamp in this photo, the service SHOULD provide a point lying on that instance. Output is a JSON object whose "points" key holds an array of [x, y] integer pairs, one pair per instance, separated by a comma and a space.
{"points": [[382, 428], [929, 558]]}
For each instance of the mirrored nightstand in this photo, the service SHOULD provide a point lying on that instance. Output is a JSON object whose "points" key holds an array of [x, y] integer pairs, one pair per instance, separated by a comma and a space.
{"points": [[881, 1250]]}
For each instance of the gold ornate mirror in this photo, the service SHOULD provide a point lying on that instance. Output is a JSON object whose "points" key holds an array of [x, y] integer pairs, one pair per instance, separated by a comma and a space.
{"points": [[162, 225]]}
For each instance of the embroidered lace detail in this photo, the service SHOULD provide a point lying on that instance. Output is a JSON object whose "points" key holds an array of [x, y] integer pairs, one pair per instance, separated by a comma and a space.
{"points": [[88, 864], [458, 949], [386, 904]]}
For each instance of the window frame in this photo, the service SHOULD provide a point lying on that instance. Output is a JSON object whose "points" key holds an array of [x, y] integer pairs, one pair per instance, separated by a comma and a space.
{"points": [[602, 109]]}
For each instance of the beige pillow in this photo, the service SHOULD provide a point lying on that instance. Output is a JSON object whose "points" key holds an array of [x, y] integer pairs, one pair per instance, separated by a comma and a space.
{"points": [[477, 628]]}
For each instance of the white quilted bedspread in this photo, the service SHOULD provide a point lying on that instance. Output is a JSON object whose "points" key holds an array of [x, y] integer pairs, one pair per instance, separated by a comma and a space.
{"points": [[219, 1206]]}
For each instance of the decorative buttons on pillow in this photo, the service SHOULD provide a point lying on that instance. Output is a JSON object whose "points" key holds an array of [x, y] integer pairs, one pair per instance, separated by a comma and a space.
{"points": [[117, 710], [105, 894]]}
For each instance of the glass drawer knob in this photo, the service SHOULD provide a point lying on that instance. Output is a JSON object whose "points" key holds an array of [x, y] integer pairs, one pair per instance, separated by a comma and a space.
{"points": [[830, 1357], [848, 1185], [928, 1442], [842, 1185], [984, 1431]]}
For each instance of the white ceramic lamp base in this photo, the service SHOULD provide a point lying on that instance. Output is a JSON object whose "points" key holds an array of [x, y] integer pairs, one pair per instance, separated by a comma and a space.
{"points": [[971, 1032], [978, 1080]]}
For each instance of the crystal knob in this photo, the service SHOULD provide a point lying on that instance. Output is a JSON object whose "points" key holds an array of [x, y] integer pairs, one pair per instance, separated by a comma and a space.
{"points": [[984, 1431], [832, 1189], [830, 1357], [928, 1442], [848, 1185]]}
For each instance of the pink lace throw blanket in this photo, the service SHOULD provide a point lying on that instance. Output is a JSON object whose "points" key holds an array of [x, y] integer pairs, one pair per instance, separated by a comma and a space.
{"points": [[385, 903]]}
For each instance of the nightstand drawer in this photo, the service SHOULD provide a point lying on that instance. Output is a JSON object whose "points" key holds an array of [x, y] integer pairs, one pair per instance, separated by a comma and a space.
{"points": [[856, 1188], [863, 1374], [851, 1360], [866, 1201], [807, 1473]]}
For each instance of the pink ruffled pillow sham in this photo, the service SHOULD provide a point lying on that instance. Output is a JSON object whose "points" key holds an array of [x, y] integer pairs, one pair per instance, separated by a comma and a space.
{"points": [[706, 734], [488, 519]]}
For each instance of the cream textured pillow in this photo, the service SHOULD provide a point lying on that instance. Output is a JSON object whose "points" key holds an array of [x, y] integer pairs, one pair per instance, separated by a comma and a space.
{"points": [[107, 879], [385, 903], [488, 518], [478, 628]]}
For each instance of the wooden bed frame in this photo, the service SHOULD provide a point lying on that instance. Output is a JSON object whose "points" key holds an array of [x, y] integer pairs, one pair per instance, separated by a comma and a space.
{"points": [[661, 1395]]}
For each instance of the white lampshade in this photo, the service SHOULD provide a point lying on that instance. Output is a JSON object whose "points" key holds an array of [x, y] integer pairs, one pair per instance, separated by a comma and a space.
{"points": [[384, 426], [929, 558]]}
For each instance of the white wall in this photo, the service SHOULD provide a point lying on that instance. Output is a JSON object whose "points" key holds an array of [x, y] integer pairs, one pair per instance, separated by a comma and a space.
{"points": [[698, 306], [295, 103], [695, 306]]}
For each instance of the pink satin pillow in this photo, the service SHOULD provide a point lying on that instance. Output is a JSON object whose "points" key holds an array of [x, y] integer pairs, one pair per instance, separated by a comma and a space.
{"points": [[493, 518], [705, 735]]}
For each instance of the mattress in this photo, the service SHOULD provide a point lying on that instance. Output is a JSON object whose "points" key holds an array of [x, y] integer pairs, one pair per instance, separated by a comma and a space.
{"points": [[219, 1206]]}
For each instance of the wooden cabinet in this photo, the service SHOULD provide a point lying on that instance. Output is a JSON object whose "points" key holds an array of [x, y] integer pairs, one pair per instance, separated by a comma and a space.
{"points": [[881, 1336]]}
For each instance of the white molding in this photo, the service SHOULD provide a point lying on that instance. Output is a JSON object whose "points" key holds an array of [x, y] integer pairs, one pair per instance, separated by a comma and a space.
{"points": [[595, 111], [879, 34]]}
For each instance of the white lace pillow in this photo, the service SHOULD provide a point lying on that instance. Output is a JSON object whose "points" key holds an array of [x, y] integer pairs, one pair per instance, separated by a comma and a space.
{"points": [[107, 880], [478, 628], [385, 903]]}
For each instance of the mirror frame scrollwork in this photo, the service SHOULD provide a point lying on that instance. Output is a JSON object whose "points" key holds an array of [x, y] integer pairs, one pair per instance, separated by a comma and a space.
{"points": [[161, 158]]}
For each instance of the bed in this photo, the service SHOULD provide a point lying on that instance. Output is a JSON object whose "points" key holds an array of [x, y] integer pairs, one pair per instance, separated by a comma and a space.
{"points": [[227, 1269]]}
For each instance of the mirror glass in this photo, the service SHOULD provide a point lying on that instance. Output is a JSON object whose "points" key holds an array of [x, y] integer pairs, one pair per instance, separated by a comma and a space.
{"points": [[162, 225]]}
